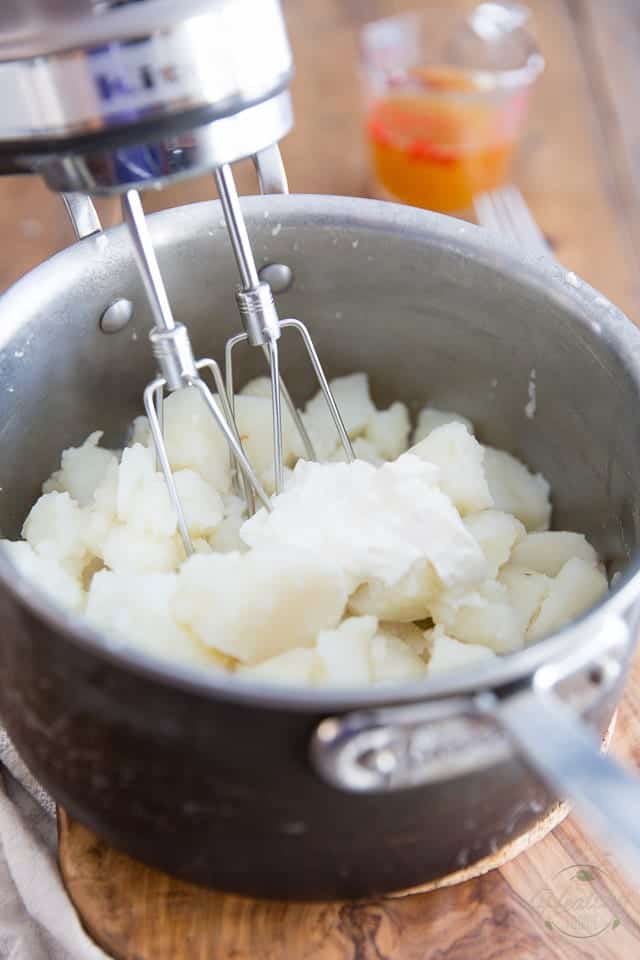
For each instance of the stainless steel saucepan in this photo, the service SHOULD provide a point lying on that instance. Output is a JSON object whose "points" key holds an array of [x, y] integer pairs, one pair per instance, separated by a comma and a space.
{"points": [[317, 793]]}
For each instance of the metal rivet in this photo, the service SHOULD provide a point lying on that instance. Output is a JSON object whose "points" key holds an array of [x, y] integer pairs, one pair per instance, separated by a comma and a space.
{"points": [[278, 275], [116, 316]]}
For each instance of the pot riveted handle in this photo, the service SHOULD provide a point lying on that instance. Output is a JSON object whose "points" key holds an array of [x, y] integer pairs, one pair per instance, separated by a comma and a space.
{"points": [[407, 745], [566, 753]]}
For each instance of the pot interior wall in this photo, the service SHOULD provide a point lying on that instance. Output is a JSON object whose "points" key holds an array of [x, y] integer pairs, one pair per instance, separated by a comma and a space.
{"points": [[426, 306]]}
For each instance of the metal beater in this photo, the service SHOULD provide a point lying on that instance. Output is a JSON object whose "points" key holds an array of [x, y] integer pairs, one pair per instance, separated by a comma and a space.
{"points": [[179, 368], [114, 96]]}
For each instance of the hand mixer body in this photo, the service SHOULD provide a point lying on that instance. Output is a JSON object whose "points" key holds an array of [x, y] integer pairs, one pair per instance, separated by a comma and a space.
{"points": [[104, 97], [100, 97]]}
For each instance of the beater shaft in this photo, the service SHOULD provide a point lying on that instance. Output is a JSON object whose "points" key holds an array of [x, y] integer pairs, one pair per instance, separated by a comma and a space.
{"points": [[263, 328], [178, 368]]}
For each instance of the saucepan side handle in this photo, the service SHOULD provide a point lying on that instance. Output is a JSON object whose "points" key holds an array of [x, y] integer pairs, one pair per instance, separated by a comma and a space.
{"points": [[567, 754], [397, 747]]}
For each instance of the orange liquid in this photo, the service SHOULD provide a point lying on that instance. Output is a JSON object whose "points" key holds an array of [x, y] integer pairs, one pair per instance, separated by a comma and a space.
{"points": [[438, 152]]}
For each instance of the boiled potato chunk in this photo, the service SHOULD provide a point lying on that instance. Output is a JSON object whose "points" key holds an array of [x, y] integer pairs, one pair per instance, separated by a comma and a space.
{"points": [[351, 393], [258, 387], [449, 654], [142, 498], [47, 574], [226, 537], [362, 449], [255, 605], [255, 425], [578, 586], [127, 550], [496, 532], [202, 505], [388, 431], [410, 634], [373, 524], [140, 432], [408, 599], [82, 469], [484, 616], [137, 610], [393, 660], [516, 490], [54, 528], [430, 418], [299, 665], [194, 439], [345, 652], [459, 457], [548, 552], [527, 590]]}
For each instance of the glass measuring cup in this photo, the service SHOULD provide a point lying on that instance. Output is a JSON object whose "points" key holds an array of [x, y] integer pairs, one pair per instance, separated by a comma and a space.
{"points": [[447, 99]]}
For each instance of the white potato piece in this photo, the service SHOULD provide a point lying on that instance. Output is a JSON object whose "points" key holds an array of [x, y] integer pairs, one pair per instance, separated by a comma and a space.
{"points": [[54, 528], [430, 418], [459, 457], [82, 469], [194, 440], [136, 610], [256, 605], [372, 523], [258, 387], [142, 498], [408, 599], [127, 550], [392, 660], [46, 574], [483, 616], [548, 552], [449, 654], [362, 449], [496, 533], [226, 537], [255, 426], [516, 490], [578, 586], [410, 634], [345, 652], [351, 393], [100, 515], [201, 503], [388, 431], [527, 591], [139, 432], [299, 665]]}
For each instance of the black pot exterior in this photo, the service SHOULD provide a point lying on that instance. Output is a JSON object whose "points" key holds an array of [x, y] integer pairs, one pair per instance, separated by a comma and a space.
{"points": [[222, 793]]}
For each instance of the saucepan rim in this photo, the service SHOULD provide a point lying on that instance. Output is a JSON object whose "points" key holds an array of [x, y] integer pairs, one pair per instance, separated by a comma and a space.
{"points": [[539, 273]]}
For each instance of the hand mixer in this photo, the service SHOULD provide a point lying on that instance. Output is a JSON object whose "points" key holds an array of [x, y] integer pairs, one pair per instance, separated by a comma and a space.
{"points": [[114, 96]]}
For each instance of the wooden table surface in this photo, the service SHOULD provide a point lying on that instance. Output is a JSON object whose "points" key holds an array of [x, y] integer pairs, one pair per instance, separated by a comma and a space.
{"points": [[578, 171]]}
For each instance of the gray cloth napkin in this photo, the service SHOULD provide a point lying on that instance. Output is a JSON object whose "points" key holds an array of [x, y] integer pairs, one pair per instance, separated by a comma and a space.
{"points": [[37, 919]]}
